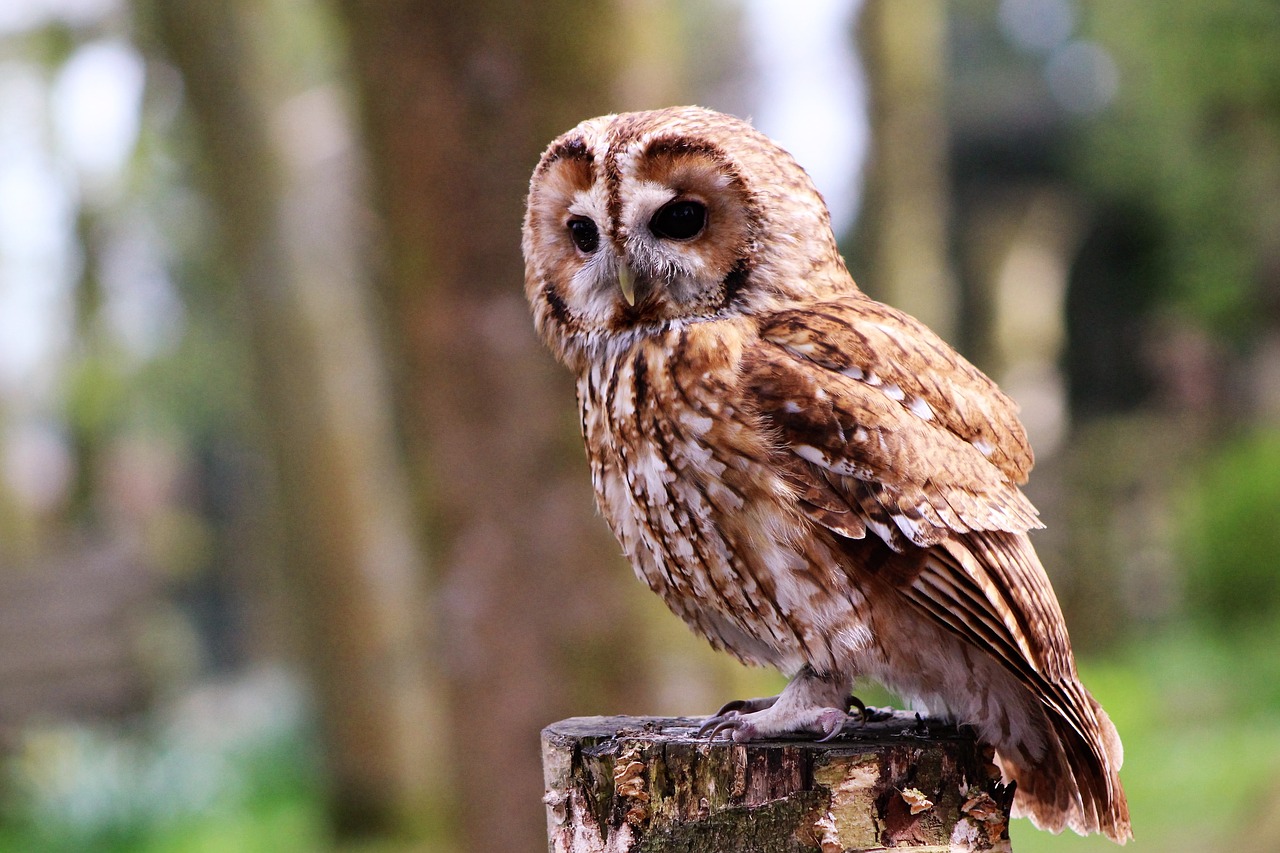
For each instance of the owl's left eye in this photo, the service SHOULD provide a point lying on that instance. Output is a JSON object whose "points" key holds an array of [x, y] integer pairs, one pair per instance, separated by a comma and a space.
{"points": [[584, 234], [679, 220]]}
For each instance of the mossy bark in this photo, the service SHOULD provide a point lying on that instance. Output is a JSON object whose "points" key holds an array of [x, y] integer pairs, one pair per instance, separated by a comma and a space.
{"points": [[646, 784]]}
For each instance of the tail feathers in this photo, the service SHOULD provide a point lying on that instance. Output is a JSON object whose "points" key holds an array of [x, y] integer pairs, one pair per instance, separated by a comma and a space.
{"points": [[1075, 784]]}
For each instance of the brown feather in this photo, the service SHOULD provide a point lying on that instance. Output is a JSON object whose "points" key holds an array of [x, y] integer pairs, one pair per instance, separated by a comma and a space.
{"points": [[851, 410], [810, 479], [823, 379]]}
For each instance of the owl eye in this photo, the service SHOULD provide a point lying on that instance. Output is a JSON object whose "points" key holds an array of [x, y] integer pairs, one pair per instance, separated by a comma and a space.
{"points": [[584, 234], [679, 220]]}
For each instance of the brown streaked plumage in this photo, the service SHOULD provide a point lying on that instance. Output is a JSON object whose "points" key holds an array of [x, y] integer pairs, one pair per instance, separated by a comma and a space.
{"points": [[810, 479]]}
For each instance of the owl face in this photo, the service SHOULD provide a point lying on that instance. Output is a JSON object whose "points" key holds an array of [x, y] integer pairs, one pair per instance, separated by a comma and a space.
{"points": [[640, 220]]}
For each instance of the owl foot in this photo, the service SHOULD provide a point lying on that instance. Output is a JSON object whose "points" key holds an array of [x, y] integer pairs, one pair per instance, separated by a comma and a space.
{"points": [[868, 713], [812, 703], [721, 720], [758, 725]]}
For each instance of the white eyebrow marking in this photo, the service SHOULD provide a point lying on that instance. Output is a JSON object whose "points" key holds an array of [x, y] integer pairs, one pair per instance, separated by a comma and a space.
{"points": [[592, 204]]}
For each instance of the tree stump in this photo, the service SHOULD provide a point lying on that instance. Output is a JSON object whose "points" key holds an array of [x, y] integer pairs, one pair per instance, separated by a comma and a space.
{"points": [[652, 785]]}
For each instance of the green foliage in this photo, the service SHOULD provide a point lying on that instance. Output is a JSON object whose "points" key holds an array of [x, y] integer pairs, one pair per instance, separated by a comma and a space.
{"points": [[1231, 535], [1193, 139], [1199, 715], [211, 779]]}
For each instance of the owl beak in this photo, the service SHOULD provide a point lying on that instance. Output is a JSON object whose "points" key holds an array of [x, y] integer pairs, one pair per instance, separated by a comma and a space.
{"points": [[627, 283]]}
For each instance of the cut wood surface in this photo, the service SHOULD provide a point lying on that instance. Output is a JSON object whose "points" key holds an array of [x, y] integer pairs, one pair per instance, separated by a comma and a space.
{"points": [[624, 784]]}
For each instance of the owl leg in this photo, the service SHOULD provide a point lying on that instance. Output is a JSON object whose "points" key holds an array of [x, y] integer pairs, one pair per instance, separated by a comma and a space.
{"points": [[812, 703], [864, 712]]}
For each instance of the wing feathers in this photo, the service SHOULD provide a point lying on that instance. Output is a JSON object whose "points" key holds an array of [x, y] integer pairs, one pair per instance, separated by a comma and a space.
{"points": [[923, 446], [971, 586], [880, 346], [890, 431]]}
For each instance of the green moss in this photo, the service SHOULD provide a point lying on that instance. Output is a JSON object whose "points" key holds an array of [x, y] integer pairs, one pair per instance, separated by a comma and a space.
{"points": [[747, 830]]}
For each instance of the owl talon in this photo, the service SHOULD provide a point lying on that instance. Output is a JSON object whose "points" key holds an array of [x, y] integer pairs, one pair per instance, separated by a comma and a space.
{"points": [[755, 725], [867, 713], [832, 722], [740, 729], [717, 723], [747, 706], [828, 722], [872, 714]]}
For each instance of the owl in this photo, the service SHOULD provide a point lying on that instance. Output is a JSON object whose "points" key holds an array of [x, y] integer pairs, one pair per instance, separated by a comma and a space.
{"points": [[810, 479]]}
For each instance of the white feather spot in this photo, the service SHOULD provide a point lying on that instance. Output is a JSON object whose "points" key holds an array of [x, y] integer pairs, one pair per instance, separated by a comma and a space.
{"points": [[853, 638], [624, 397], [920, 408], [871, 379], [893, 391], [802, 348], [853, 372], [811, 454], [984, 447], [912, 529], [697, 424], [726, 500], [881, 530]]}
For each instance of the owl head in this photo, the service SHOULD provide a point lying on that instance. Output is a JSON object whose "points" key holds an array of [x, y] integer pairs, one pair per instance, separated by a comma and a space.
{"points": [[642, 220]]}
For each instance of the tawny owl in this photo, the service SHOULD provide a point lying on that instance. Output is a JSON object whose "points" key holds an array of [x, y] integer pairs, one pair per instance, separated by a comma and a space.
{"points": [[809, 478]]}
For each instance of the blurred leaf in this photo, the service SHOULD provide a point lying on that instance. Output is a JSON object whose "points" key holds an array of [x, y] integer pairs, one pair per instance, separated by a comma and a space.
{"points": [[1231, 535], [1192, 139]]}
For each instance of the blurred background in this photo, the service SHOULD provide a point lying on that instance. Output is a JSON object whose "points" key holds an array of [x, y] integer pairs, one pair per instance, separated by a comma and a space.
{"points": [[297, 546]]}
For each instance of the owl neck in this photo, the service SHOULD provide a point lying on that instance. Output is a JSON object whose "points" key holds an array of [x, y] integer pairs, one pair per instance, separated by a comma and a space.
{"points": [[682, 339]]}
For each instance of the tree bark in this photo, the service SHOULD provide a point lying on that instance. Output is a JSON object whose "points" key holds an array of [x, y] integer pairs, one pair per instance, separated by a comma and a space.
{"points": [[288, 227], [648, 784], [905, 224], [458, 102]]}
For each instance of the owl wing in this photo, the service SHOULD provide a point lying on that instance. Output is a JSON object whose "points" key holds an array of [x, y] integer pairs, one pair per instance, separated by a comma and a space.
{"points": [[920, 441], [890, 430]]}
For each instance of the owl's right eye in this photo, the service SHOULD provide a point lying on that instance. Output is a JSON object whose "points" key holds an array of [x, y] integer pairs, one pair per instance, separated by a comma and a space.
{"points": [[584, 234]]}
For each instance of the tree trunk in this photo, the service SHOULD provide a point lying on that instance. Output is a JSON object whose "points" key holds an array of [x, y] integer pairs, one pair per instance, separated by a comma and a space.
{"points": [[459, 100], [647, 784], [904, 227], [288, 228]]}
